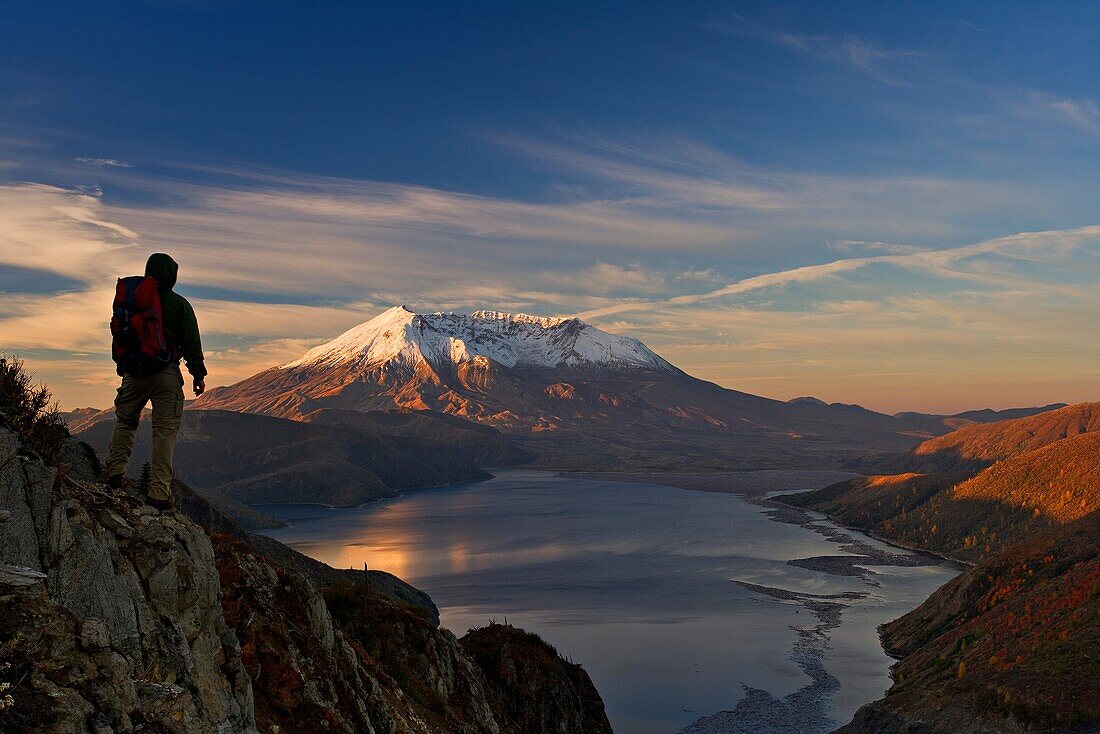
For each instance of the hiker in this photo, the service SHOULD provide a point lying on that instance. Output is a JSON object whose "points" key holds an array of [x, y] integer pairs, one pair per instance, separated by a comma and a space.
{"points": [[149, 363]]}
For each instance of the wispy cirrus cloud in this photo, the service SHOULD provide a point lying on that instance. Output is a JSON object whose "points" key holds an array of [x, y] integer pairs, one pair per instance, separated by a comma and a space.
{"points": [[707, 185], [1083, 114], [867, 56], [102, 162], [860, 246], [632, 278], [62, 231], [956, 263]]}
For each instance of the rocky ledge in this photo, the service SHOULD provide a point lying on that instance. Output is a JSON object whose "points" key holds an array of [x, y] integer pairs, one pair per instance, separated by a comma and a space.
{"points": [[115, 618], [123, 629]]}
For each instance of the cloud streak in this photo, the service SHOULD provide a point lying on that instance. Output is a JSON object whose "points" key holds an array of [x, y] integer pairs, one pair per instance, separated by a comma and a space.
{"points": [[944, 263], [1083, 114], [858, 53], [102, 162]]}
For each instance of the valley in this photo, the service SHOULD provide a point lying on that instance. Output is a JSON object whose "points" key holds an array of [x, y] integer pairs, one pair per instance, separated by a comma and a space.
{"points": [[681, 605]]}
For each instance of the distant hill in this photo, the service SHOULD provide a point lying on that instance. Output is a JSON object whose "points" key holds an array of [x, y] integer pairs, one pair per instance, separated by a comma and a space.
{"points": [[483, 444], [1059, 481], [988, 415], [258, 459], [1008, 646], [80, 419], [967, 516], [966, 511], [846, 407], [977, 446], [936, 424]]}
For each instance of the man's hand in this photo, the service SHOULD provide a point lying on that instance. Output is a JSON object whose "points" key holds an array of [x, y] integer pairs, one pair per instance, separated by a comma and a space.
{"points": [[200, 387]]}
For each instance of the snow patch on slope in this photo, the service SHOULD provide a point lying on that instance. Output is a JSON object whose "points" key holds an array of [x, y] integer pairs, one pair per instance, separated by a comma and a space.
{"points": [[512, 340]]}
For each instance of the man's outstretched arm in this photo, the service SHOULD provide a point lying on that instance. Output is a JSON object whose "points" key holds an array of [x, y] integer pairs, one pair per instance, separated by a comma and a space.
{"points": [[190, 345]]}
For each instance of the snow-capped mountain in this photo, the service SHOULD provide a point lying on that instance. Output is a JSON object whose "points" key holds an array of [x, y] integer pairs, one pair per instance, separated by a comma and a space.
{"points": [[399, 336], [487, 366], [565, 392]]}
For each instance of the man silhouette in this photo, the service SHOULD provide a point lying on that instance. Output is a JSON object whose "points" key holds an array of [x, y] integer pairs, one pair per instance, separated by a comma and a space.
{"points": [[163, 388]]}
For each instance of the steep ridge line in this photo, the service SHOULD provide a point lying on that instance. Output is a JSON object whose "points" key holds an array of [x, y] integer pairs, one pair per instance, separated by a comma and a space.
{"points": [[1008, 646], [977, 446]]}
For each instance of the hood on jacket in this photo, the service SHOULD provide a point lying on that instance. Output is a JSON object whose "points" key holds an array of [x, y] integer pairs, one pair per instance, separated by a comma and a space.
{"points": [[163, 268]]}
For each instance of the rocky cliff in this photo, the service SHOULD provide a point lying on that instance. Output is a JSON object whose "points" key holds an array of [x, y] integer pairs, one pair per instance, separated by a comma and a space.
{"points": [[114, 618], [110, 620]]}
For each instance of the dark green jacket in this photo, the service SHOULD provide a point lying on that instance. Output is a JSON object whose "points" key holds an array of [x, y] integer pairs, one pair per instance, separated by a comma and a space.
{"points": [[181, 328]]}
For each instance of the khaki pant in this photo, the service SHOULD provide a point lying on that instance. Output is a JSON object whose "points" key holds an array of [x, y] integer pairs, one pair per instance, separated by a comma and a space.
{"points": [[165, 390]]}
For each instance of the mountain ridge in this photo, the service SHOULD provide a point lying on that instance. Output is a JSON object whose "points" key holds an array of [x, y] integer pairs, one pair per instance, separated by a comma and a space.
{"points": [[442, 339], [979, 445], [258, 459], [566, 393]]}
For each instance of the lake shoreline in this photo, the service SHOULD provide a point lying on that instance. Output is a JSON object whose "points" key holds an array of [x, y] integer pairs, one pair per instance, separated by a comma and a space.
{"points": [[759, 711]]}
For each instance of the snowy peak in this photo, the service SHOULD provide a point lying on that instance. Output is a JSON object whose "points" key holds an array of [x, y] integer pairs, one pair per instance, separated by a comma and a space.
{"points": [[400, 336], [545, 322]]}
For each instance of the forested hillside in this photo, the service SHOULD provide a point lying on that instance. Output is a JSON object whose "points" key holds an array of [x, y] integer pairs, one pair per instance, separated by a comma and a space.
{"points": [[1010, 645]]}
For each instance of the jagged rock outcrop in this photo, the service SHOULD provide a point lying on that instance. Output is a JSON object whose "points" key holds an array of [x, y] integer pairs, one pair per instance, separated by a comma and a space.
{"points": [[531, 687], [115, 618], [316, 673], [129, 630]]}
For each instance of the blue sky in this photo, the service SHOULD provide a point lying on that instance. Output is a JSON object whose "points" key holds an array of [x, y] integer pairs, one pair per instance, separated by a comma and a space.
{"points": [[886, 203]]}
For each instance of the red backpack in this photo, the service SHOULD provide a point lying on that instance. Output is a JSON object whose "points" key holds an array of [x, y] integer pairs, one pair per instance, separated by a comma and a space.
{"points": [[137, 328]]}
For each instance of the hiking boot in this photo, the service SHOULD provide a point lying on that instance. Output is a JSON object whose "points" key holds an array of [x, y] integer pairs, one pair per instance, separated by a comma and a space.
{"points": [[167, 505], [117, 481]]}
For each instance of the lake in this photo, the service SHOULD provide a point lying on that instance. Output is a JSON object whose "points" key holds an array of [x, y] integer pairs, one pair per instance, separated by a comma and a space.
{"points": [[680, 604]]}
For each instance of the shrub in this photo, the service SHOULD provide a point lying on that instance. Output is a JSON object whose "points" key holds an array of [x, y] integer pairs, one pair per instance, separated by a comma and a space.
{"points": [[29, 410]]}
